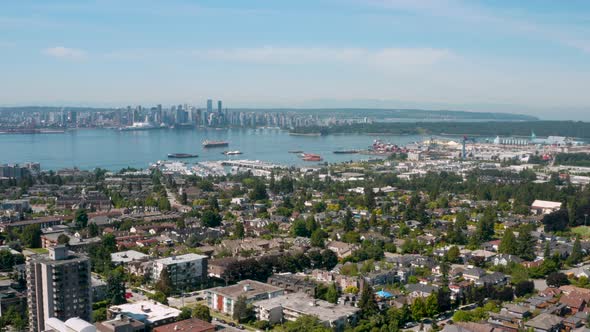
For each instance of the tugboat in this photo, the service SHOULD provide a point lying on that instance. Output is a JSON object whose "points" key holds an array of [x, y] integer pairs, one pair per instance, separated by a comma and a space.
{"points": [[214, 144]]}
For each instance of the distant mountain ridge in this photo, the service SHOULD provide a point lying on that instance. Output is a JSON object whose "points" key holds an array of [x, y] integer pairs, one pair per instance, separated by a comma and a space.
{"points": [[384, 113], [379, 114]]}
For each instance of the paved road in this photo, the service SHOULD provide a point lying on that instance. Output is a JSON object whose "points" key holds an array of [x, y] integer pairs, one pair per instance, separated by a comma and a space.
{"points": [[174, 203]]}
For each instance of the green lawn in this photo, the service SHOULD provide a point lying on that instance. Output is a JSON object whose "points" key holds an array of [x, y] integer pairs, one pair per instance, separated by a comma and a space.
{"points": [[38, 250], [583, 231]]}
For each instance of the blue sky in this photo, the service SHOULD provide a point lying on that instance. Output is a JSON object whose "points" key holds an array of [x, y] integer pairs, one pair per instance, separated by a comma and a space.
{"points": [[494, 55]]}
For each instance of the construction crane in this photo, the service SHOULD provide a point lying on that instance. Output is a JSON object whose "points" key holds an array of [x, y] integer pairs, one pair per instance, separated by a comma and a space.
{"points": [[464, 150]]}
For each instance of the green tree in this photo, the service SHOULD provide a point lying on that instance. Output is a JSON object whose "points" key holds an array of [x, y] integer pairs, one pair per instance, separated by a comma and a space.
{"points": [[6, 260], [461, 221], [210, 218], [317, 238], [347, 221], [93, 229], [453, 254], [369, 198], [164, 284], [116, 288], [485, 226], [576, 256], [332, 294], [304, 323], [508, 245], [526, 244], [99, 315], [431, 305], [557, 279], [202, 312], [185, 313], [31, 236], [519, 274], [159, 297], [367, 302], [258, 193], [81, 219], [242, 311], [239, 230], [63, 239], [329, 259], [164, 204], [109, 242], [419, 309], [299, 228]]}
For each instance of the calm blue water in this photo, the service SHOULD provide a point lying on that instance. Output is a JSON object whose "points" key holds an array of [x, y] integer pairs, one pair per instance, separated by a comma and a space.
{"points": [[113, 149]]}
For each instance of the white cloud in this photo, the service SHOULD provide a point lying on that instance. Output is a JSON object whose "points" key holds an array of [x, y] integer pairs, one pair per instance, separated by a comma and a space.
{"points": [[386, 57], [64, 52]]}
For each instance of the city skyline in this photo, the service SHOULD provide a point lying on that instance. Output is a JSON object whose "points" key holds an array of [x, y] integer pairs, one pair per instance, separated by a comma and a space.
{"points": [[529, 57]]}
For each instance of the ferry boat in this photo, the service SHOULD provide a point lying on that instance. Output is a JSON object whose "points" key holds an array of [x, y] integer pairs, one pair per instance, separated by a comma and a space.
{"points": [[139, 126], [231, 153], [214, 144]]}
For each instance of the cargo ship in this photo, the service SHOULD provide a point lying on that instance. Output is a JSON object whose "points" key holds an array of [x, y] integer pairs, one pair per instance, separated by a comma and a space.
{"points": [[214, 144], [182, 155], [346, 151], [295, 151], [311, 157]]}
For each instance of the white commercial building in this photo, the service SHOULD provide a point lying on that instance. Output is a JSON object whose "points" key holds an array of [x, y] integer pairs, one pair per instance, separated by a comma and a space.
{"points": [[184, 270], [544, 207]]}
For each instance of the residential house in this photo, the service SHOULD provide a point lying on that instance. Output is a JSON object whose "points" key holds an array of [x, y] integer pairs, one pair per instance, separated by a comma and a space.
{"points": [[341, 249], [545, 322]]}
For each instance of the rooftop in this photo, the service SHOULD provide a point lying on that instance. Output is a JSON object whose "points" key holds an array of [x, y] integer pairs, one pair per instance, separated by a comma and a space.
{"points": [[544, 321], [145, 311], [180, 259], [248, 288], [192, 325], [546, 204], [127, 256], [306, 305]]}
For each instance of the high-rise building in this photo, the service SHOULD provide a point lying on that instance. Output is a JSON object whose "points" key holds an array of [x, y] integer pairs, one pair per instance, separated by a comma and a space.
{"points": [[58, 286], [73, 118], [219, 106], [209, 105]]}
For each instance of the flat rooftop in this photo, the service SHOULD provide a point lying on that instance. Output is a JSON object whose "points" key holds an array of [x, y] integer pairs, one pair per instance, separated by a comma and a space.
{"points": [[248, 288], [146, 311], [306, 305], [127, 256], [180, 259]]}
